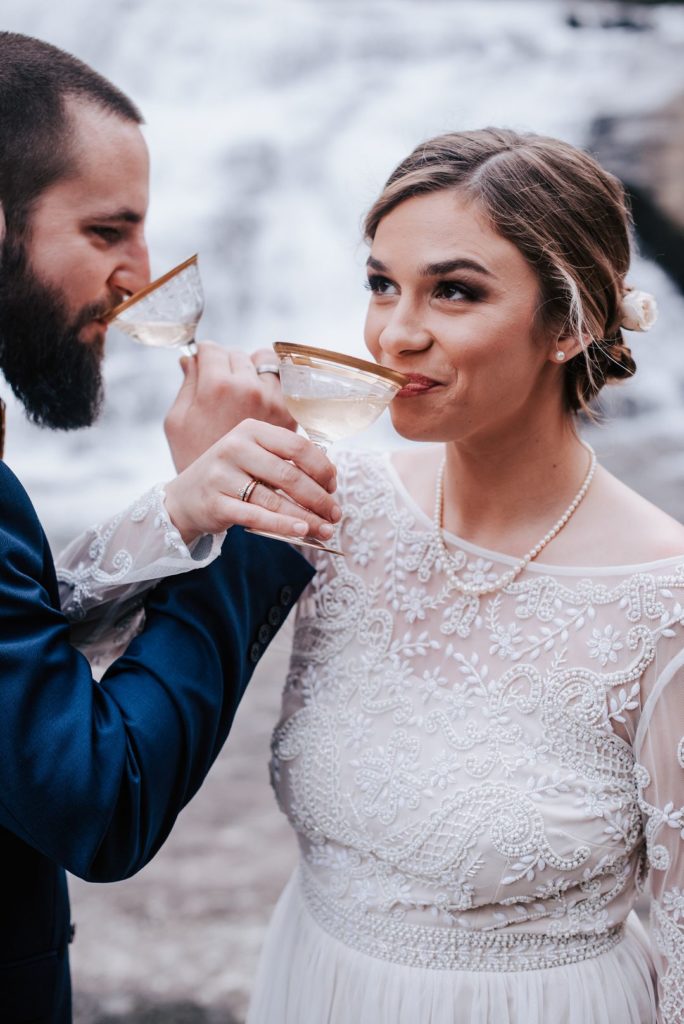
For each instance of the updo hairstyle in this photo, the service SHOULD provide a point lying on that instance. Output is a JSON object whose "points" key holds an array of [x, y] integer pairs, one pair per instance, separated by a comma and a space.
{"points": [[566, 215]]}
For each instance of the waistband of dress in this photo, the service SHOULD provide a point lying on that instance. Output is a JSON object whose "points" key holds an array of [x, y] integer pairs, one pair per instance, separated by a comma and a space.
{"points": [[447, 948]]}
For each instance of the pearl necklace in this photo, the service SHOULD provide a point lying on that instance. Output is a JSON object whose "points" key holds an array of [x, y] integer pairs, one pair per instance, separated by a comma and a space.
{"points": [[472, 590]]}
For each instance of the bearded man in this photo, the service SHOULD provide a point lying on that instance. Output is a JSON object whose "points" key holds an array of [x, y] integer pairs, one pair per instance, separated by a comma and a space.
{"points": [[92, 776]]}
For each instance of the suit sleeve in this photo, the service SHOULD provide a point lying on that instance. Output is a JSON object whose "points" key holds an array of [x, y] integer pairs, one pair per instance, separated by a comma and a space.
{"points": [[93, 775]]}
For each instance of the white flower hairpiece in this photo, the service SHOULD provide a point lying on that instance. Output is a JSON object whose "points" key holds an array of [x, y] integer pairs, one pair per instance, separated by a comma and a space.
{"points": [[639, 310]]}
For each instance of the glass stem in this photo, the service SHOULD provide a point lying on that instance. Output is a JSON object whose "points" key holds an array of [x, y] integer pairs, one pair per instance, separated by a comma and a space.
{"points": [[319, 440]]}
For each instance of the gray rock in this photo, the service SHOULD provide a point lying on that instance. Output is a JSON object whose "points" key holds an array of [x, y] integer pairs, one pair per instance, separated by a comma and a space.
{"points": [[647, 154]]}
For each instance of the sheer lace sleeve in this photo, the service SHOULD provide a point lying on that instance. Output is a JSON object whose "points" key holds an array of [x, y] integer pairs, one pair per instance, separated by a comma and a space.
{"points": [[104, 574], [659, 748]]}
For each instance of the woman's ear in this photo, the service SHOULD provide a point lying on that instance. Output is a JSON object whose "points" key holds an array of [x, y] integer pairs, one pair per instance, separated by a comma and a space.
{"points": [[566, 347]]}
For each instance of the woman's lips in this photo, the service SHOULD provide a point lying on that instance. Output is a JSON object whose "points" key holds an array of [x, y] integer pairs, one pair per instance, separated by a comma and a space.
{"points": [[417, 385]]}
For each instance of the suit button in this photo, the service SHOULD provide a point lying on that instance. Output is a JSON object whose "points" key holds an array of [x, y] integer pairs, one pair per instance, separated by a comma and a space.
{"points": [[286, 596], [255, 653], [274, 616], [264, 634]]}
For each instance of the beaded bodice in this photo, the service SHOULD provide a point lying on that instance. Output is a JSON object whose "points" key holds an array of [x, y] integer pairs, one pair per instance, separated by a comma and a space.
{"points": [[478, 764]]}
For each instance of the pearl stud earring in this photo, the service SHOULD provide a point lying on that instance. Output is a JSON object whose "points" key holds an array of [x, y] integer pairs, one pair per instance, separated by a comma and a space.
{"points": [[560, 355]]}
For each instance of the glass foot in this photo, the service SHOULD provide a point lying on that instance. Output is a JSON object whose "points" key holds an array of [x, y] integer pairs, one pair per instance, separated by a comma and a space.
{"points": [[302, 542]]}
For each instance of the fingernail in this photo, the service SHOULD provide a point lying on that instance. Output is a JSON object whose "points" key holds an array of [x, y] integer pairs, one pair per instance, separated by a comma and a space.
{"points": [[332, 486], [335, 513], [301, 528], [326, 531]]}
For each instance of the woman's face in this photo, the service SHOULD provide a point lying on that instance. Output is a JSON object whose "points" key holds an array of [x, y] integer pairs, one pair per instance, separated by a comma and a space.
{"points": [[453, 305]]}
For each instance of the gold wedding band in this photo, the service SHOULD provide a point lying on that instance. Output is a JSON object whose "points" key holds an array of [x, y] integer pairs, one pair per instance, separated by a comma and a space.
{"points": [[245, 492], [269, 368]]}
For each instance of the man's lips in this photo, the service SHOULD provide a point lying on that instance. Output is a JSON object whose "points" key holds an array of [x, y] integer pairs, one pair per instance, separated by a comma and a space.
{"points": [[417, 385], [95, 327]]}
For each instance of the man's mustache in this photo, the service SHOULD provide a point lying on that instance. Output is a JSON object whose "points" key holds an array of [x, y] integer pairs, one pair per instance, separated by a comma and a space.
{"points": [[93, 311]]}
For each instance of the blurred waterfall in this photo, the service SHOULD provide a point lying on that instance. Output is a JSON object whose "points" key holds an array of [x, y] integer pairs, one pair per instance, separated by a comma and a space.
{"points": [[272, 124]]}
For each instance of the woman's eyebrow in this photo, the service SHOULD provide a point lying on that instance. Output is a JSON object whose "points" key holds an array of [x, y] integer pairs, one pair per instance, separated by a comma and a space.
{"points": [[448, 266], [374, 264], [436, 269]]}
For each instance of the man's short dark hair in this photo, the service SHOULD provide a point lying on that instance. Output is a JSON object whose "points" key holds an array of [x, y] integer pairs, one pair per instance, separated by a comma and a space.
{"points": [[36, 80]]}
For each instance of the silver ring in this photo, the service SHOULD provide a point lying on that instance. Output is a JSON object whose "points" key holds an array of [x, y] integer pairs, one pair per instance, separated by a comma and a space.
{"points": [[245, 492], [269, 368]]}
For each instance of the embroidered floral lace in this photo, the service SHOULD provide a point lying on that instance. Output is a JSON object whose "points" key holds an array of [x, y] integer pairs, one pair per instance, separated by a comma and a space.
{"points": [[104, 574], [483, 782]]}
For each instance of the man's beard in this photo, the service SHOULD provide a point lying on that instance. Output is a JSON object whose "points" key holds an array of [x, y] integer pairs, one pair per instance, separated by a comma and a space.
{"points": [[56, 377]]}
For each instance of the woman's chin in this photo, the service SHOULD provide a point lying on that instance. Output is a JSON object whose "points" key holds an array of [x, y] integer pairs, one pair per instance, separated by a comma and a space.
{"points": [[416, 432], [416, 428]]}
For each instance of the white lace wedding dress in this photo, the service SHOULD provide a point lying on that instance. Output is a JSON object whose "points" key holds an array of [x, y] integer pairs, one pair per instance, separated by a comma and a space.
{"points": [[480, 787], [104, 573]]}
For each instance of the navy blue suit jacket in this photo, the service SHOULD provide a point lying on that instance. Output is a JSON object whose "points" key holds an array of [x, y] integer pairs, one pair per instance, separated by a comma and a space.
{"points": [[92, 776]]}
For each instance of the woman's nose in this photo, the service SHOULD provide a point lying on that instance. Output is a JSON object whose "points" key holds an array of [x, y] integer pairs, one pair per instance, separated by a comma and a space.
{"points": [[404, 332]]}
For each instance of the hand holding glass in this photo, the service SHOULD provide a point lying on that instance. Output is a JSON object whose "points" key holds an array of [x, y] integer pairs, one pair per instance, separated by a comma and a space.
{"points": [[331, 396]]}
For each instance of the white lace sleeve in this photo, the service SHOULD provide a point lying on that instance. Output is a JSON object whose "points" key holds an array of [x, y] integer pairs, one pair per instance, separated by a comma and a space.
{"points": [[659, 748], [104, 574]]}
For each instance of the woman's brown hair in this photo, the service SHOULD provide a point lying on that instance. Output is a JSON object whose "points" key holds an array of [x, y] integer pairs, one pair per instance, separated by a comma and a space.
{"points": [[567, 216]]}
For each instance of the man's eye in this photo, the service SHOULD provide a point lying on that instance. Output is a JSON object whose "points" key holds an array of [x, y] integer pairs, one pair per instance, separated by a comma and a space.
{"points": [[107, 234]]}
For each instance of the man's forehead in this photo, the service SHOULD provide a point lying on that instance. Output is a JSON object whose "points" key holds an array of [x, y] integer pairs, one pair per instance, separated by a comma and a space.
{"points": [[85, 115], [108, 169], [93, 128]]}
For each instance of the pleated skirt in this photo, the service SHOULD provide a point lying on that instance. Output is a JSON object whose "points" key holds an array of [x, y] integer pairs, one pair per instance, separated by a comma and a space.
{"points": [[306, 976]]}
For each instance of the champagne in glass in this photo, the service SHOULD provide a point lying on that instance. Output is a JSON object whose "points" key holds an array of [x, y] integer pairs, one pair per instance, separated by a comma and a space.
{"points": [[331, 396], [166, 312]]}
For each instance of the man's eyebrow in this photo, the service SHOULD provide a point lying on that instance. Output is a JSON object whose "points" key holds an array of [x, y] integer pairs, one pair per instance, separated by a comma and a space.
{"points": [[124, 214], [436, 269]]}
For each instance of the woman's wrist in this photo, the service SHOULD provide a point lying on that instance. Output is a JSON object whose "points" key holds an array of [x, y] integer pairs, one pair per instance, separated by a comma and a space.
{"points": [[175, 509]]}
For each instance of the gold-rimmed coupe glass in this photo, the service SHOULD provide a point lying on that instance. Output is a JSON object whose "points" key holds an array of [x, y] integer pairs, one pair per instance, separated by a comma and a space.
{"points": [[331, 396], [165, 313]]}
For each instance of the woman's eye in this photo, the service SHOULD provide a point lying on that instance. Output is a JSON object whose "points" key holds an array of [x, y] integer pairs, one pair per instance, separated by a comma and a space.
{"points": [[453, 290], [380, 285]]}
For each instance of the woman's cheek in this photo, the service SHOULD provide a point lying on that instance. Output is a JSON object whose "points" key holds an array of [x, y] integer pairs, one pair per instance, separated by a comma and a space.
{"points": [[370, 336]]}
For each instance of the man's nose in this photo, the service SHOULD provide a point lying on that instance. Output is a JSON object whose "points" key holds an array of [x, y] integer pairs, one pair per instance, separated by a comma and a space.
{"points": [[133, 272]]}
